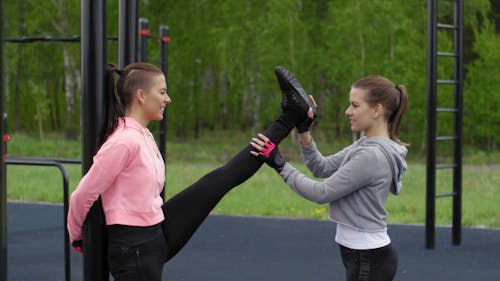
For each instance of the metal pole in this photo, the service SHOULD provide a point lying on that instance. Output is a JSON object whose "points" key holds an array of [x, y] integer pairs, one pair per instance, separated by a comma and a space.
{"points": [[164, 40], [144, 33], [93, 57], [127, 32], [3, 174], [431, 125], [58, 164], [457, 172]]}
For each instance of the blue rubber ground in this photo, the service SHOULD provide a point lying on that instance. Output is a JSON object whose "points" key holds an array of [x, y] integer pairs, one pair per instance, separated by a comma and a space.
{"points": [[231, 248]]}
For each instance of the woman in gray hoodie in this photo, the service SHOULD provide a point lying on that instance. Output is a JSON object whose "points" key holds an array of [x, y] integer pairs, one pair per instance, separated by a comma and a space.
{"points": [[358, 179]]}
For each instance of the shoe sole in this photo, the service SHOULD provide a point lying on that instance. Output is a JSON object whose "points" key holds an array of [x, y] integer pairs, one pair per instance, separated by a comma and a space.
{"points": [[286, 78]]}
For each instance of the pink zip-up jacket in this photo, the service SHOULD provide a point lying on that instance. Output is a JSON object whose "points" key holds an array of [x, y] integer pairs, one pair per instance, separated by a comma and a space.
{"points": [[128, 172]]}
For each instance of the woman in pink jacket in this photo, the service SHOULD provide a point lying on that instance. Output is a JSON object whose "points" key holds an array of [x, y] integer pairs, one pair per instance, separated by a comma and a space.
{"points": [[128, 173]]}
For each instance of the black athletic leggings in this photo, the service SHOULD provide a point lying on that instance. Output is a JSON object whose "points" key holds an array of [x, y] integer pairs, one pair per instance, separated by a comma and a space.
{"points": [[185, 212], [370, 265]]}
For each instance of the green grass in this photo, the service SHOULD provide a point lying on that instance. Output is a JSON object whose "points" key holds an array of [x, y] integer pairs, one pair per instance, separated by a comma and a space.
{"points": [[264, 194]]}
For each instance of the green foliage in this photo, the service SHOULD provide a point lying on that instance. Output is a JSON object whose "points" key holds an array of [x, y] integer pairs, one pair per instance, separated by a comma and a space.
{"points": [[222, 55], [481, 100]]}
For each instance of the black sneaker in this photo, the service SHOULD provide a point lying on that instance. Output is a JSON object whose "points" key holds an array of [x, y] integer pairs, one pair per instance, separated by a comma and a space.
{"points": [[294, 96]]}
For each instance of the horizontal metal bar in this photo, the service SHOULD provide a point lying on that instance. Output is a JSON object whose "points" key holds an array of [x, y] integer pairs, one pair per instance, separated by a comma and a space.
{"points": [[447, 82], [446, 26], [447, 54], [62, 160], [443, 109], [446, 138], [32, 39], [446, 195], [445, 166]]}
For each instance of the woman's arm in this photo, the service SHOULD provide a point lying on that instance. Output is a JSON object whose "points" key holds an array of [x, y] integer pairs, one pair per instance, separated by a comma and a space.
{"points": [[108, 163], [305, 138], [320, 166], [357, 173]]}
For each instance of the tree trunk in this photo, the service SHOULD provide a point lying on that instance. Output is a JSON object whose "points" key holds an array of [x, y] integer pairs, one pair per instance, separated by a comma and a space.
{"points": [[362, 50], [17, 86], [69, 90], [361, 37], [71, 75]]}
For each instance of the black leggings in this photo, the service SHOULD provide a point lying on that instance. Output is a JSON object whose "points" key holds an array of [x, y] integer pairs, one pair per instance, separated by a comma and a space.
{"points": [[370, 265], [185, 212]]}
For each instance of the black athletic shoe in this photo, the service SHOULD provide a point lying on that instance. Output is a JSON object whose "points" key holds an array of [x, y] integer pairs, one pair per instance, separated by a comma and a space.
{"points": [[294, 96]]}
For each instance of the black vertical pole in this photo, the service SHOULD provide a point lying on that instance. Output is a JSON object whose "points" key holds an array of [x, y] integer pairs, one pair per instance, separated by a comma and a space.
{"points": [[127, 32], [144, 33], [457, 174], [431, 125], [93, 57], [164, 40], [3, 183]]}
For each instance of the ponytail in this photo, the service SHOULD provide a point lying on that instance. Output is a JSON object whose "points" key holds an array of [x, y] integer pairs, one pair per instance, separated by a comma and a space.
{"points": [[395, 120], [113, 111]]}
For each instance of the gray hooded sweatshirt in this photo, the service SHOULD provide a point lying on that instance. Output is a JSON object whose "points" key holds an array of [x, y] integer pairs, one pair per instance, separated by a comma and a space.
{"points": [[357, 180]]}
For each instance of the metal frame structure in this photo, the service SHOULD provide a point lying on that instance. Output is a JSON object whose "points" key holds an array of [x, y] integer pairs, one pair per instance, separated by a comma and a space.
{"points": [[144, 33], [93, 106], [93, 103], [162, 134], [58, 163], [127, 32], [3, 182], [432, 115], [33, 39]]}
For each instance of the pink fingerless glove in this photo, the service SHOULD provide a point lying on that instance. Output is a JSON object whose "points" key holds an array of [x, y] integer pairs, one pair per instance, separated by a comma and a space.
{"points": [[272, 156]]}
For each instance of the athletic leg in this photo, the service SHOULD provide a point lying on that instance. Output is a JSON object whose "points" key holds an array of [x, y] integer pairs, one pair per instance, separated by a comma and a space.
{"points": [[185, 212]]}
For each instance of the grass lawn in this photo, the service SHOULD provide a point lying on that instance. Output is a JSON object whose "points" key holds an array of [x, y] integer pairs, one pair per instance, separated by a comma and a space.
{"points": [[265, 194]]}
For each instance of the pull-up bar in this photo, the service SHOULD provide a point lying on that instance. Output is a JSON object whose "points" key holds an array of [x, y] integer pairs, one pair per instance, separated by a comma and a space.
{"points": [[32, 39]]}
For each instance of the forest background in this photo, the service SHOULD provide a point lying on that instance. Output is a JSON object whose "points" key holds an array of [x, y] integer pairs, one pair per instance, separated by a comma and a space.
{"points": [[222, 55]]}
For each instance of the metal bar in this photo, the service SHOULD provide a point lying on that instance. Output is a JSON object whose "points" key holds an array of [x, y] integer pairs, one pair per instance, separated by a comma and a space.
{"points": [[446, 26], [162, 133], [441, 109], [457, 172], [93, 105], [446, 138], [445, 195], [446, 54], [62, 160], [451, 82], [127, 32], [55, 163], [33, 39], [143, 40], [431, 125], [3, 182]]}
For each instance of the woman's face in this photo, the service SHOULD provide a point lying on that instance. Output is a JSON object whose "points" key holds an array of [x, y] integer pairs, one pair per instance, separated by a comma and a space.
{"points": [[156, 98], [360, 113]]}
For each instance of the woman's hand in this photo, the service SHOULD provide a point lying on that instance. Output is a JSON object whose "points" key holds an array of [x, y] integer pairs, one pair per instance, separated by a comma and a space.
{"points": [[267, 151]]}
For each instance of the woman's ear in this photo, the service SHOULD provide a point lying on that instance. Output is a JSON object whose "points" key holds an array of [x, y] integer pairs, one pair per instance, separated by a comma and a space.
{"points": [[378, 110], [140, 96]]}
